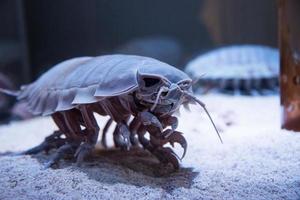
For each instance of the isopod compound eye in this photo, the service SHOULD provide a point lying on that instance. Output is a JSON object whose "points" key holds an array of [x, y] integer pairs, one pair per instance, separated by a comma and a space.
{"points": [[149, 82]]}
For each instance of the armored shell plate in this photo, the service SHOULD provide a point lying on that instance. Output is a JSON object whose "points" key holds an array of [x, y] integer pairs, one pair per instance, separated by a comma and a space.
{"points": [[87, 80]]}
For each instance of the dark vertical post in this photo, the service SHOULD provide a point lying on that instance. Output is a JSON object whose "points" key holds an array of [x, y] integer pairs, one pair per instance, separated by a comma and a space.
{"points": [[289, 34], [22, 33]]}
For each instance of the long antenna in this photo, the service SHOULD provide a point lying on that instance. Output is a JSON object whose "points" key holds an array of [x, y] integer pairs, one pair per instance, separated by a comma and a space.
{"points": [[9, 92], [203, 106]]}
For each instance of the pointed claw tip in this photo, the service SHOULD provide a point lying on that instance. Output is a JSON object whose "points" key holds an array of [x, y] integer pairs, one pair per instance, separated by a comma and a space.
{"points": [[184, 152]]}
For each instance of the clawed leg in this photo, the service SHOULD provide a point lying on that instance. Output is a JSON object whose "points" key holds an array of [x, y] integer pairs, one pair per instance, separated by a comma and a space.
{"points": [[82, 142], [133, 128], [68, 148], [77, 141], [105, 129], [166, 155], [123, 133], [148, 119], [90, 134], [121, 136], [171, 137], [147, 122], [53, 141], [170, 121], [68, 124], [155, 146], [83, 151]]}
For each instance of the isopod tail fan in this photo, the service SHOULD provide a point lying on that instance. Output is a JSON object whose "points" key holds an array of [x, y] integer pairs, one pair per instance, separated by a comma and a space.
{"points": [[203, 106], [14, 93]]}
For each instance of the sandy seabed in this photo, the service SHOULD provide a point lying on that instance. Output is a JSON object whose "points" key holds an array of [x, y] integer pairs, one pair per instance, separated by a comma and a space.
{"points": [[258, 160]]}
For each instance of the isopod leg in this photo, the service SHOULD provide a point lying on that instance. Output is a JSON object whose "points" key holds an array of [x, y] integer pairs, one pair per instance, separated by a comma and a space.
{"points": [[70, 126], [133, 128], [91, 134], [163, 154], [170, 121], [166, 155], [124, 132], [121, 135], [148, 119], [54, 140], [105, 129], [141, 131], [172, 137]]}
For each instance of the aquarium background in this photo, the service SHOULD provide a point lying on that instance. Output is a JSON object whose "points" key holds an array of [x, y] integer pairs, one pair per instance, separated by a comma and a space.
{"points": [[37, 34]]}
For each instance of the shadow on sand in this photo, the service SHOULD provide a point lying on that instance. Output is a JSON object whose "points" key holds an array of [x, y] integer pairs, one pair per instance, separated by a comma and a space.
{"points": [[135, 167]]}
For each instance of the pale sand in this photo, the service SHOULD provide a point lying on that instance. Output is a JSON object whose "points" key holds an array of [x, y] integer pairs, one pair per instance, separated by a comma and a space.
{"points": [[256, 161]]}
